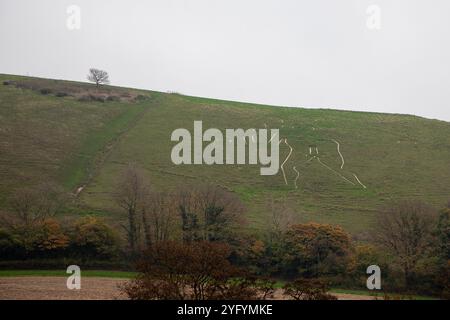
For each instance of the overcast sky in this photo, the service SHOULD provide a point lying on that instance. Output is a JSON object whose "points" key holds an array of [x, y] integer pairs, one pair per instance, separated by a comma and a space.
{"points": [[315, 53]]}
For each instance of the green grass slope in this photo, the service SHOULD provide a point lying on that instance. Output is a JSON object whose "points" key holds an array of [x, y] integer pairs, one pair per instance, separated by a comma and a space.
{"points": [[89, 143]]}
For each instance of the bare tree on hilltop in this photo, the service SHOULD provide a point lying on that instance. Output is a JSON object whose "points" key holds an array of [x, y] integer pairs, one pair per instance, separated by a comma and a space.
{"points": [[98, 76]]}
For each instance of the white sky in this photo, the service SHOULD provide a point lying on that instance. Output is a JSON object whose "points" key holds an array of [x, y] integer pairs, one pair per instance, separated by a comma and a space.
{"points": [[315, 53]]}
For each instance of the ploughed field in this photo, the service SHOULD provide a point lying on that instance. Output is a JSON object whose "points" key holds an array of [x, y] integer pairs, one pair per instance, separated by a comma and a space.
{"points": [[92, 288]]}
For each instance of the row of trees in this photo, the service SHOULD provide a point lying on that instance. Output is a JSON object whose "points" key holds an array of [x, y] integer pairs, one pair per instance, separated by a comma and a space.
{"points": [[417, 238], [312, 254], [410, 240], [32, 230], [84, 239], [192, 213], [202, 270]]}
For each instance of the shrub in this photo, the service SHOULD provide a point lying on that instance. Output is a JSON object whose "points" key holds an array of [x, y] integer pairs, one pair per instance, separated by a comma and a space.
{"points": [[61, 94], [241, 288], [45, 91], [140, 97], [92, 97], [112, 98], [193, 271], [49, 236], [253, 254], [42, 239], [314, 249], [363, 256], [9, 246], [97, 98], [308, 289], [84, 98], [92, 238]]}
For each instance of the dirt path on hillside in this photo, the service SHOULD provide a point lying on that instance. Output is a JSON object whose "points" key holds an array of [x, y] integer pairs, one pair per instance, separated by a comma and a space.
{"points": [[101, 156], [54, 288]]}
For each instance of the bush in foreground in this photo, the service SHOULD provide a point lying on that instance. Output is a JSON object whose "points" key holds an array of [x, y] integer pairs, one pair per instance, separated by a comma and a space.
{"points": [[308, 289], [193, 271]]}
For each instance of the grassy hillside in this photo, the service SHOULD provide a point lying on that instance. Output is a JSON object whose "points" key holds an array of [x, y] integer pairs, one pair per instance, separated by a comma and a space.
{"points": [[88, 143]]}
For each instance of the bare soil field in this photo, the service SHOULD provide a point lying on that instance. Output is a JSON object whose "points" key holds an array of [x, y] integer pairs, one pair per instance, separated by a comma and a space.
{"points": [[92, 288], [54, 288]]}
